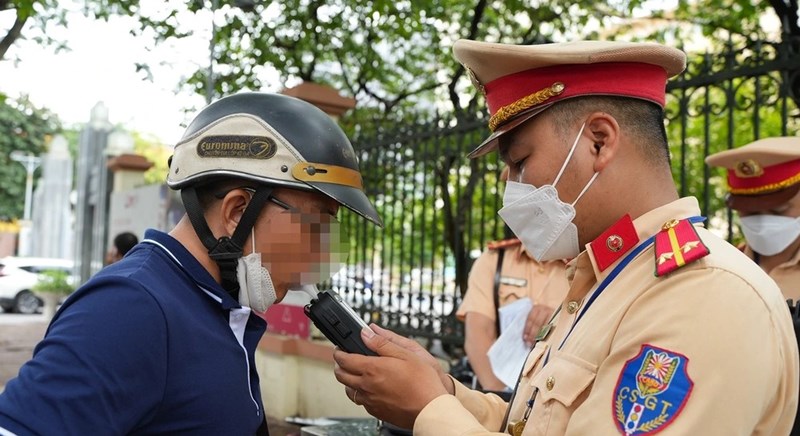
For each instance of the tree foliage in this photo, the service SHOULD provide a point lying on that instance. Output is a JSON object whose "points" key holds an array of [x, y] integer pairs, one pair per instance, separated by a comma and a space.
{"points": [[392, 56], [40, 13], [25, 128], [382, 51], [155, 152]]}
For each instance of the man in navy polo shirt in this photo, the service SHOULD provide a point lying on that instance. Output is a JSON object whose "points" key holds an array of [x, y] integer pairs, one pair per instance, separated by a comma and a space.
{"points": [[163, 341]]}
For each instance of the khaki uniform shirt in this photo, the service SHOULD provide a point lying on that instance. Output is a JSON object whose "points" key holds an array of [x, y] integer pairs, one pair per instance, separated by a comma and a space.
{"points": [[522, 276], [786, 275], [716, 331]]}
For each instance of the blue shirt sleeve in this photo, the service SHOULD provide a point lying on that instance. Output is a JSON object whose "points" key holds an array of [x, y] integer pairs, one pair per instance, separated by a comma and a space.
{"points": [[101, 368]]}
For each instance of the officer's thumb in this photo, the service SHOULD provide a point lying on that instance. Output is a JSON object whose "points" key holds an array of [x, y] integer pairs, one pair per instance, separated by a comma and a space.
{"points": [[381, 344]]}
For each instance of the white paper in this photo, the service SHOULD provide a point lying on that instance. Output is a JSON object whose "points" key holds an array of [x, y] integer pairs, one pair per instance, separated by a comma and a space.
{"points": [[508, 353]]}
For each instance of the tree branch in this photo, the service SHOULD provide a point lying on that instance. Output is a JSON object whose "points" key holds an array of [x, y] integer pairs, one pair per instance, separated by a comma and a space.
{"points": [[12, 35], [787, 13], [477, 16], [404, 95]]}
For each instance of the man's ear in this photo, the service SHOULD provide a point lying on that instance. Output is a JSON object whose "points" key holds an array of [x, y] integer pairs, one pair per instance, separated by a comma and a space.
{"points": [[232, 208], [603, 130]]}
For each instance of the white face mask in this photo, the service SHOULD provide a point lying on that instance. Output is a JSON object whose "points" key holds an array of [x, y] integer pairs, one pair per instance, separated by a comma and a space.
{"points": [[770, 234], [540, 219], [256, 289]]}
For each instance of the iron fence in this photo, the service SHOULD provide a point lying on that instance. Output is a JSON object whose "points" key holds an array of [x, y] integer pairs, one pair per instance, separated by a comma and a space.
{"points": [[439, 208]]}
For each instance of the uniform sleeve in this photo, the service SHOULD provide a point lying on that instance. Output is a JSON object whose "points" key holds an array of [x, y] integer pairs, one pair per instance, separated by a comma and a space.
{"points": [[712, 367], [480, 287], [99, 370], [468, 412]]}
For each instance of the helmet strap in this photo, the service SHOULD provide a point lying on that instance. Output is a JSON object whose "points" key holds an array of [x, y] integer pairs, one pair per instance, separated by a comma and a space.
{"points": [[225, 251]]}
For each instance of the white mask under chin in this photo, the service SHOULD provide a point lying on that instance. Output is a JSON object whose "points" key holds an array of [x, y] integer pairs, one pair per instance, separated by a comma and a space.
{"points": [[256, 289], [769, 235]]}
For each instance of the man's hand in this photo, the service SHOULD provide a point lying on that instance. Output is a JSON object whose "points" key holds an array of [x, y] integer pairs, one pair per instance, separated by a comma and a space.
{"points": [[396, 385], [537, 317]]}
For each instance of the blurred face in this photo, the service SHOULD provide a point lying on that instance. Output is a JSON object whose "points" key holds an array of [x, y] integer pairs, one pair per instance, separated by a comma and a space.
{"points": [[298, 237], [112, 255]]}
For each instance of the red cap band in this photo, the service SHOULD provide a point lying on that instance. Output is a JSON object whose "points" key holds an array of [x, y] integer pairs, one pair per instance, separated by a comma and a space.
{"points": [[625, 79], [772, 178]]}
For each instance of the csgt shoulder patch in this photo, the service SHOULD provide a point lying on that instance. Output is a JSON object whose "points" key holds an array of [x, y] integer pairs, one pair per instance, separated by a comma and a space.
{"points": [[651, 391]]}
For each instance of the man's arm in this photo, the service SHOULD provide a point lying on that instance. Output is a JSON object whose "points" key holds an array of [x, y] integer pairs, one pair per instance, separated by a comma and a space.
{"points": [[100, 366]]}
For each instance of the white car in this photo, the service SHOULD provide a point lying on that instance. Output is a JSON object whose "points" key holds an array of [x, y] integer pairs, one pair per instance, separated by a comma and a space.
{"points": [[19, 274]]}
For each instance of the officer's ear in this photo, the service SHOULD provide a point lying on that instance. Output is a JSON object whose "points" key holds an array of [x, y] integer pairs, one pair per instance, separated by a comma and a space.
{"points": [[233, 205], [604, 132]]}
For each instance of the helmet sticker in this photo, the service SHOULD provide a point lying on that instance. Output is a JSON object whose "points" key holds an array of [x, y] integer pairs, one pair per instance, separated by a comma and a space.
{"points": [[247, 147]]}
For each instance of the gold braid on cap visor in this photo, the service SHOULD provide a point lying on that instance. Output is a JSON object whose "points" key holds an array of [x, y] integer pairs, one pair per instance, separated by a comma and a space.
{"points": [[772, 187], [508, 111], [316, 172]]}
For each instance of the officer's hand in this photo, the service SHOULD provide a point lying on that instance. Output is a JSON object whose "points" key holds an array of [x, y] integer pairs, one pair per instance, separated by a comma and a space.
{"points": [[537, 317], [414, 347], [396, 385]]}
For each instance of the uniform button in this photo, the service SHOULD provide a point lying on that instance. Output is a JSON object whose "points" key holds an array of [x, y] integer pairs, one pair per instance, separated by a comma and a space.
{"points": [[572, 307], [551, 381]]}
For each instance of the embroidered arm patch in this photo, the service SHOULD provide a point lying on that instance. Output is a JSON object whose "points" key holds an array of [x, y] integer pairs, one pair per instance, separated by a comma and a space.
{"points": [[651, 391]]}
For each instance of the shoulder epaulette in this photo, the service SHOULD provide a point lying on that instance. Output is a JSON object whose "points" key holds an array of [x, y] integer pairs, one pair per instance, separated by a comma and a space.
{"points": [[676, 245], [505, 243]]}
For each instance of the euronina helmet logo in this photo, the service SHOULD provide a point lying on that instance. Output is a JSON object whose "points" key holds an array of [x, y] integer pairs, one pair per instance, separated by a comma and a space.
{"points": [[248, 147]]}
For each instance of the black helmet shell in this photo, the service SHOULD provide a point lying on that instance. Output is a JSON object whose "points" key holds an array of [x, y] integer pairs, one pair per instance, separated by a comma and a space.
{"points": [[272, 139]]}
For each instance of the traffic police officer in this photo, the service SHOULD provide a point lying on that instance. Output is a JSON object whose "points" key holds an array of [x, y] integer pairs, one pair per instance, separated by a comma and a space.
{"points": [[665, 328], [763, 180]]}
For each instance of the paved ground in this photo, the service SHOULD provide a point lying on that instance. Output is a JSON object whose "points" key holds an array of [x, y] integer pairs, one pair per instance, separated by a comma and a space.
{"points": [[19, 335]]}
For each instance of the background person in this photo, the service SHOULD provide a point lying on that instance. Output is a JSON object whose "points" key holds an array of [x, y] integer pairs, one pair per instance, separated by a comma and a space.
{"points": [[503, 274], [763, 180], [649, 337], [163, 341], [120, 246]]}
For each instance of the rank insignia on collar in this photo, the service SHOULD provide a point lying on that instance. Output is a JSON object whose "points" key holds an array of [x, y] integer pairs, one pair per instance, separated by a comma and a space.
{"points": [[676, 245], [612, 244], [652, 389]]}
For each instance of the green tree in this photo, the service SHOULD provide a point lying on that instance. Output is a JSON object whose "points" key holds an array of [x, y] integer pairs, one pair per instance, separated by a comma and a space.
{"points": [[393, 57], [26, 128], [40, 13], [157, 153]]}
